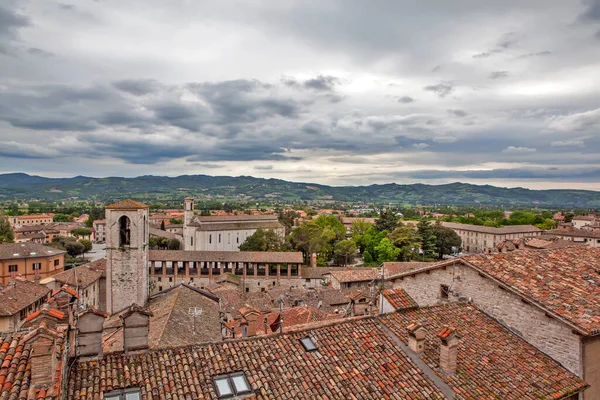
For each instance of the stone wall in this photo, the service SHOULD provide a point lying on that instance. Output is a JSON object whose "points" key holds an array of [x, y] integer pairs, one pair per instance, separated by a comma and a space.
{"points": [[546, 333], [158, 283]]}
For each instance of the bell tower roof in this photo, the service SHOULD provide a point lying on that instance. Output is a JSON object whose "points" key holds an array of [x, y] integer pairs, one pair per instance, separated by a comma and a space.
{"points": [[127, 205]]}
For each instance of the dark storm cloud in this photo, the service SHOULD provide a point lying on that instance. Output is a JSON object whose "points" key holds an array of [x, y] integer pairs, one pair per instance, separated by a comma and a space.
{"points": [[499, 74], [323, 83], [592, 11], [458, 113], [138, 87], [442, 89], [10, 23], [190, 117], [405, 99]]}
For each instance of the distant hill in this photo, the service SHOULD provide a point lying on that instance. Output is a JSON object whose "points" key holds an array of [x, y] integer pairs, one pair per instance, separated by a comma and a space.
{"points": [[24, 186]]}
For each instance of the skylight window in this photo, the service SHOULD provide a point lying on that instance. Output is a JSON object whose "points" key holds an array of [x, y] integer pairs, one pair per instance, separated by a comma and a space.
{"points": [[308, 343], [230, 385], [123, 394]]}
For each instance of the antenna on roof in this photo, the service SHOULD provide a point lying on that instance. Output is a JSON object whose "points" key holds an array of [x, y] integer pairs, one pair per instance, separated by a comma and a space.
{"points": [[194, 312]]}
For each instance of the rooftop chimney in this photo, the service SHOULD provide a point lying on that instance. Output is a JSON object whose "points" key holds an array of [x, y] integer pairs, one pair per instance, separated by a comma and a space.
{"points": [[45, 353], [89, 334], [448, 349], [313, 260], [416, 337], [136, 324]]}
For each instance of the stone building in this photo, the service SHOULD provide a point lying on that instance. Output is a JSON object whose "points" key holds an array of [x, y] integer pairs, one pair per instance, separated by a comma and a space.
{"points": [[18, 300], [223, 233], [99, 230], [589, 237], [580, 221], [33, 219], [483, 239], [88, 280], [127, 233], [551, 298], [250, 271], [31, 261]]}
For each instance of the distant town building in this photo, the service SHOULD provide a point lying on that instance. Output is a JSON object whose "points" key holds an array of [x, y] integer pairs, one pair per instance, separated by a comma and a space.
{"points": [[89, 282], [223, 233], [580, 221], [99, 227], [31, 219], [586, 235], [484, 239], [31, 261]]}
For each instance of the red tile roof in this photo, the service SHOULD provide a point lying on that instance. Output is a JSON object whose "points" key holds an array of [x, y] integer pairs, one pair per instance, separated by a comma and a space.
{"points": [[15, 369], [127, 205], [494, 231], [356, 275], [393, 268], [273, 257], [65, 289], [399, 299], [51, 312], [83, 275], [355, 358], [565, 282], [493, 362], [20, 294], [15, 251]]}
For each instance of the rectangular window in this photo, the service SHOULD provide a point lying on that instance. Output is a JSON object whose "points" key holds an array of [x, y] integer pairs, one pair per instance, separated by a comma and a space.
{"points": [[308, 344], [191, 241], [56, 263], [444, 291], [209, 239], [36, 266], [123, 394], [219, 238], [13, 268], [230, 385]]}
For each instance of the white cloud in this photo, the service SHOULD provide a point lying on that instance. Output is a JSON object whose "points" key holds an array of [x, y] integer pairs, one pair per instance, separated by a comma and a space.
{"points": [[518, 150], [569, 143]]}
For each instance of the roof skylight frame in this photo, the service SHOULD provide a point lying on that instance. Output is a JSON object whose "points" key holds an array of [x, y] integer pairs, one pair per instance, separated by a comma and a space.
{"points": [[308, 343]]}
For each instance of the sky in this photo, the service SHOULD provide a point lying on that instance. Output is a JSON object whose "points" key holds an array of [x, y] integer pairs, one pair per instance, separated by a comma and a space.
{"points": [[502, 92]]}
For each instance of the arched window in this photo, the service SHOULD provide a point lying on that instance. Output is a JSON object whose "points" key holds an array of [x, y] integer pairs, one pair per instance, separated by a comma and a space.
{"points": [[124, 231]]}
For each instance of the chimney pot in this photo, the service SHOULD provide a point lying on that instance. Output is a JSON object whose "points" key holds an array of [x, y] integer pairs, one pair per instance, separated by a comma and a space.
{"points": [[448, 349], [416, 337]]}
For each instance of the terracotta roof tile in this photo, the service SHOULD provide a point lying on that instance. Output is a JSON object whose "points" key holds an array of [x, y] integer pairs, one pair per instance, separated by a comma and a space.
{"points": [[127, 205], [356, 275], [393, 268], [13, 251], [495, 231], [20, 294], [562, 281], [227, 256], [493, 363], [83, 275], [399, 299], [355, 358]]}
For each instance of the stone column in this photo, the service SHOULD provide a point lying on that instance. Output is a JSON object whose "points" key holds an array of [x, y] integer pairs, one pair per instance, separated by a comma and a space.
{"points": [[289, 271]]}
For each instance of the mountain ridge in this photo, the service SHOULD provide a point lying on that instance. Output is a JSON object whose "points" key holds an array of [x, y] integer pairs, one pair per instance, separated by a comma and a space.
{"points": [[20, 185]]}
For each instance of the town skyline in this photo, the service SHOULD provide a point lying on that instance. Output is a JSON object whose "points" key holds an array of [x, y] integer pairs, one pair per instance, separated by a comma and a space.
{"points": [[501, 93]]}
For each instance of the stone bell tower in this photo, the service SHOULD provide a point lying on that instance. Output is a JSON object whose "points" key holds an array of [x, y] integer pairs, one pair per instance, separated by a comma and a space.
{"points": [[126, 255], [188, 217]]}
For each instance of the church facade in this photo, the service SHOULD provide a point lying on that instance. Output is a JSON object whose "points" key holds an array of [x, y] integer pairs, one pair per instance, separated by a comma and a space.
{"points": [[223, 233]]}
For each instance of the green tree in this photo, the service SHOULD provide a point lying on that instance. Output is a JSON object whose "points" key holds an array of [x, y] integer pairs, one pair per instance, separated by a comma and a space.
{"points": [[173, 244], [387, 221], [153, 242], [371, 239], [263, 240], [7, 234], [62, 218], [344, 252], [360, 227], [176, 221], [386, 251], [311, 238], [81, 232], [427, 239], [407, 239], [332, 223], [367, 257], [162, 225], [74, 249], [445, 240], [87, 245], [287, 219], [547, 224]]}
